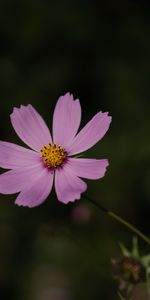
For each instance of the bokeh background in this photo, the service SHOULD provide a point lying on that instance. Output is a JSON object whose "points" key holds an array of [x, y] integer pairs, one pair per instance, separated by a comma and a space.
{"points": [[100, 52]]}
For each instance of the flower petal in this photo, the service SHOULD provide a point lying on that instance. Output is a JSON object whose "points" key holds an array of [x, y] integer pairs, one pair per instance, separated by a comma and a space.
{"points": [[30, 127], [13, 156], [37, 192], [88, 168], [14, 181], [66, 119], [93, 131], [68, 186]]}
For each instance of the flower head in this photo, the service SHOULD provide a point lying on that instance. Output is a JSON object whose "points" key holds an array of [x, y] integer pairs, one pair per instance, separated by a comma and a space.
{"points": [[32, 171], [132, 272]]}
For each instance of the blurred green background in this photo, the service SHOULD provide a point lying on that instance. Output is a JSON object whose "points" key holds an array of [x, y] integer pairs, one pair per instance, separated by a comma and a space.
{"points": [[100, 52]]}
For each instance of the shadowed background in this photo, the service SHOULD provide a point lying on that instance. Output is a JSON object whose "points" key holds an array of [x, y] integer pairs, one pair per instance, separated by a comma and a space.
{"points": [[100, 52]]}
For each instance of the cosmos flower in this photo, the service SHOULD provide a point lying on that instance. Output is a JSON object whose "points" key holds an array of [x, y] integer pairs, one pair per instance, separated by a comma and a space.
{"points": [[32, 171]]}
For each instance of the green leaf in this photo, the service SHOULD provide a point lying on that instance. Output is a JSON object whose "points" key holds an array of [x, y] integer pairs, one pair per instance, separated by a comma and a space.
{"points": [[135, 249], [124, 250]]}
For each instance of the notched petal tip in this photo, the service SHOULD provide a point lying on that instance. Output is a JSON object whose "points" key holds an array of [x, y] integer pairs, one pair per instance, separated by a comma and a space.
{"points": [[76, 197], [106, 165], [19, 204], [20, 107], [106, 114], [88, 168], [106, 162], [66, 119], [103, 167], [27, 205], [90, 134], [108, 117], [13, 111], [30, 126], [69, 96]]}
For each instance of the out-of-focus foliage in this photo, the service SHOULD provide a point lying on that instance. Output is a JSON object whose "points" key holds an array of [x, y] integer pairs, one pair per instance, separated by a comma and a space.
{"points": [[132, 272], [99, 51]]}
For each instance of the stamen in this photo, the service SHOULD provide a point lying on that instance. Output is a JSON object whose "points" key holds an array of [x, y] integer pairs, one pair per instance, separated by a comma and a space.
{"points": [[53, 155]]}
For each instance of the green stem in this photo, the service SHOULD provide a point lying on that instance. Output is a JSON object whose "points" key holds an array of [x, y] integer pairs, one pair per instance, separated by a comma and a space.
{"points": [[120, 220], [129, 226]]}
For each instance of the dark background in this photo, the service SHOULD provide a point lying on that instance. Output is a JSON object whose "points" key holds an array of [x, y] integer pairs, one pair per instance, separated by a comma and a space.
{"points": [[99, 51]]}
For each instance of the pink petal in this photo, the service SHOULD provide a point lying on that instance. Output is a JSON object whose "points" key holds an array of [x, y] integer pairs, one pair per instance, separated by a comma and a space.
{"points": [[14, 181], [88, 168], [68, 186], [36, 193], [13, 156], [30, 127], [66, 119], [93, 131]]}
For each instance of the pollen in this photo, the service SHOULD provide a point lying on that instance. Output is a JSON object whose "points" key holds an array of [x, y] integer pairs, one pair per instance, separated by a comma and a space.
{"points": [[53, 155]]}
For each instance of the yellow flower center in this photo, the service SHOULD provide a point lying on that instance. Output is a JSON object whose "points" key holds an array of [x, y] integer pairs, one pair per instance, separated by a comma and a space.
{"points": [[53, 155]]}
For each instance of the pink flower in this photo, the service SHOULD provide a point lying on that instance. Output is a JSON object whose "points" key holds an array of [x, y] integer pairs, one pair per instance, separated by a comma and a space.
{"points": [[32, 172]]}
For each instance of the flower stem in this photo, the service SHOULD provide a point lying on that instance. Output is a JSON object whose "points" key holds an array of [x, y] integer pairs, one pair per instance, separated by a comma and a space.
{"points": [[120, 220]]}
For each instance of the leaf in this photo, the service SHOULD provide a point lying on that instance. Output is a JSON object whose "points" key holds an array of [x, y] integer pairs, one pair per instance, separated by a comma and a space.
{"points": [[124, 250], [135, 250]]}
